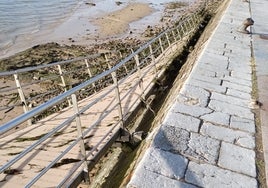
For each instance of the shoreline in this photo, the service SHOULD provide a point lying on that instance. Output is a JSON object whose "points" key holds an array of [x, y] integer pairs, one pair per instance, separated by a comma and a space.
{"points": [[85, 28], [90, 25], [118, 22]]}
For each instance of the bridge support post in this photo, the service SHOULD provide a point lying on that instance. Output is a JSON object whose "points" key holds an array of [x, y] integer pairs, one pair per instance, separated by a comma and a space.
{"points": [[80, 135], [136, 57], [90, 73], [117, 94], [63, 82], [22, 97], [153, 60], [121, 56], [167, 39], [179, 34], [161, 45]]}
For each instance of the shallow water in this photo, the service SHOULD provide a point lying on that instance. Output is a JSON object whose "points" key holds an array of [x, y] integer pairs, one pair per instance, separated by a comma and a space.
{"points": [[25, 23]]}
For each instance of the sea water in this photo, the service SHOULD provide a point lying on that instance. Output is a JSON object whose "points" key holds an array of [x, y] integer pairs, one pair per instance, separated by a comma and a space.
{"points": [[22, 18], [24, 23]]}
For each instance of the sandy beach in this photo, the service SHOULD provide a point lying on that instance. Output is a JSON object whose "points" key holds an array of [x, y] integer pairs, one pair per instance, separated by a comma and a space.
{"points": [[117, 23], [97, 22]]}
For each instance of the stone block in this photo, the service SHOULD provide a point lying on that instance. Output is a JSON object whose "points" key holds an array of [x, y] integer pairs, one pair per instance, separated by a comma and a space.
{"points": [[239, 94], [228, 135], [143, 178], [193, 145], [238, 87], [193, 95], [192, 110], [206, 175], [165, 163], [237, 159], [230, 99], [217, 118], [182, 121], [241, 75], [242, 124], [208, 86], [239, 81], [231, 109]]}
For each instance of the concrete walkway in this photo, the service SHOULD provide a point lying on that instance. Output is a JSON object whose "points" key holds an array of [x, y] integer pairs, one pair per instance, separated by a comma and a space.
{"points": [[207, 139]]}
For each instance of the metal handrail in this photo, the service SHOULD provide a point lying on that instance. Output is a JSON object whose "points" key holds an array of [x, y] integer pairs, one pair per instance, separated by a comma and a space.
{"points": [[35, 111]]}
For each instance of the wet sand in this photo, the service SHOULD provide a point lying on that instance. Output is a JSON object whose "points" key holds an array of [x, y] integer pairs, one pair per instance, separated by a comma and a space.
{"points": [[117, 23], [85, 27]]}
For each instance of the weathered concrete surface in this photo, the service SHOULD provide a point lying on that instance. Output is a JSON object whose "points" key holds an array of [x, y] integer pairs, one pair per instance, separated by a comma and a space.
{"points": [[207, 138]]}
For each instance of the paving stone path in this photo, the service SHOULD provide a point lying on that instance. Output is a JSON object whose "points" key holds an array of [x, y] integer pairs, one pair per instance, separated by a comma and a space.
{"points": [[207, 138]]}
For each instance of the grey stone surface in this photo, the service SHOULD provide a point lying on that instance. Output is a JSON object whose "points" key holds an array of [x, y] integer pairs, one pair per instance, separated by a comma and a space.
{"points": [[242, 124], [207, 79], [203, 148], [170, 138], [146, 179], [165, 163], [238, 81], [237, 159], [217, 118], [208, 86], [205, 72], [182, 121], [192, 110], [228, 135], [231, 109], [194, 145], [238, 67], [239, 94], [241, 75], [238, 87], [193, 95], [230, 99], [205, 175]]}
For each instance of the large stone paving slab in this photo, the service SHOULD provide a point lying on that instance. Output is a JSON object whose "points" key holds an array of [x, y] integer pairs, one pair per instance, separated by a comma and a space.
{"points": [[241, 138], [165, 163], [193, 145], [147, 179], [231, 109], [182, 121], [205, 175], [237, 159]]}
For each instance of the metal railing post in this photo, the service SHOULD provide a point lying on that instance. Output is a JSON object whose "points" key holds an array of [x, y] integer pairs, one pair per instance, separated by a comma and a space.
{"points": [[167, 39], [183, 31], [179, 33], [90, 74], [136, 57], [161, 45], [125, 67], [190, 26], [117, 94], [63, 82], [153, 59], [174, 36], [80, 134], [22, 97]]}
